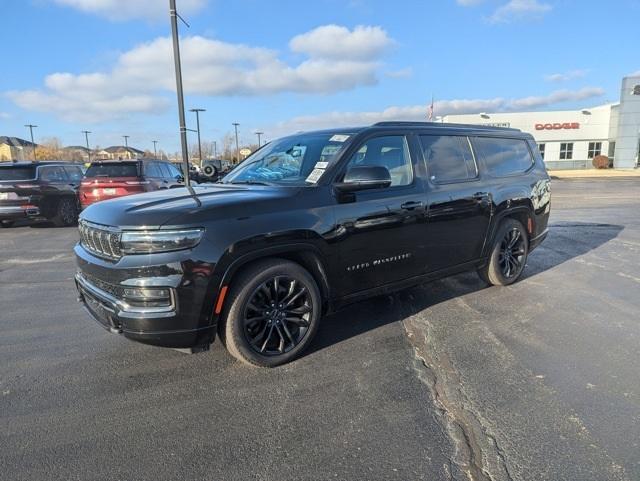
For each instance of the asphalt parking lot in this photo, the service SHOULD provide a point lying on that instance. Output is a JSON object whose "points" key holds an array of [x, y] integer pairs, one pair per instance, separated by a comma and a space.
{"points": [[452, 380]]}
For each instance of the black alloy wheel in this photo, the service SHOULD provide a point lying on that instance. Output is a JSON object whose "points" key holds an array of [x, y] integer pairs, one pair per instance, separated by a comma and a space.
{"points": [[66, 213], [277, 316], [508, 256], [271, 313], [512, 253]]}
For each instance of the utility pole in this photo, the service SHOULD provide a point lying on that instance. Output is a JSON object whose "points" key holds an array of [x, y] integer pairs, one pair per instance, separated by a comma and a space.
{"points": [[176, 58], [86, 136], [155, 149], [235, 125], [197, 111], [259, 134], [33, 144]]}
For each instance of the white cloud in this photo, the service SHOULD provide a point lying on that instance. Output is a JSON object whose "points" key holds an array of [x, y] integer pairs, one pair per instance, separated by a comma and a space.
{"points": [[401, 73], [142, 75], [127, 9], [441, 108], [566, 76], [634, 74], [468, 3], [519, 9], [5, 115], [337, 42]]}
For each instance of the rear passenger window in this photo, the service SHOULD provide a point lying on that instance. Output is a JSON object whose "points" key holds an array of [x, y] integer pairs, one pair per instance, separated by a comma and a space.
{"points": [[449, 158], [74, 173], [504, 157]]}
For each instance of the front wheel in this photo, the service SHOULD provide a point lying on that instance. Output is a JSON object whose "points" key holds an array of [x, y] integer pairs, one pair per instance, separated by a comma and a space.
{"points": [[273, 313], [508, 254]]}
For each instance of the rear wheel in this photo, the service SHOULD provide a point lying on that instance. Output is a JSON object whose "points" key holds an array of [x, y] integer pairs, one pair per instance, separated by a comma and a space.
{"points": [[6, 223], [273, 313], [508, 254], [66, 212]]}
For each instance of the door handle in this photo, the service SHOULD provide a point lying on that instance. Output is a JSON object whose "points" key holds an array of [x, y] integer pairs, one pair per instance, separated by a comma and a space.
{"points": [[411, 205]]}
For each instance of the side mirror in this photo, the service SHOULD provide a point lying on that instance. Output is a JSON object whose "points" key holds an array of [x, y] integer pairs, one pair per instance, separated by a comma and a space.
{"points": [[364, 178]]}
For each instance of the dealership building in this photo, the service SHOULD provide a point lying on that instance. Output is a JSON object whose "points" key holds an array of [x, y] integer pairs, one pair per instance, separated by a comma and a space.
{"points": [[570, 139]]}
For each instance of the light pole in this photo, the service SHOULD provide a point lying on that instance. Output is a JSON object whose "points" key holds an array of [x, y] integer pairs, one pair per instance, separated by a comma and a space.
{"points": [[197, 111], [33, 144], [155, 148], [86, 137], [259, 134], [176, 58], [215, 149], [235, 125]]}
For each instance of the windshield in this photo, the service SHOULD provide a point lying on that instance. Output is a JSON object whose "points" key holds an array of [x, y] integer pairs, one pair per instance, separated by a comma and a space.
{"points": [[17, 173], [117, 169], [297, 160]]}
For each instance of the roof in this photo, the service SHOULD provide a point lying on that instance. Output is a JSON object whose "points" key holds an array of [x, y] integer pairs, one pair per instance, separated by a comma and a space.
{"points": [[34, 164], [122, 148], [76, 147], [15, 141]]}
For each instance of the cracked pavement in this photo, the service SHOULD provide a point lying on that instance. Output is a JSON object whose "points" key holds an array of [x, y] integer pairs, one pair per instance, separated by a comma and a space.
{"points": [[450, 380]]}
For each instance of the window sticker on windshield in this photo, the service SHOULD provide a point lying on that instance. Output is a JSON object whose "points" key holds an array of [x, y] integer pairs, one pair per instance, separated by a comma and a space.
{"points": [[315, 175], [322, 165], [339, 138]]}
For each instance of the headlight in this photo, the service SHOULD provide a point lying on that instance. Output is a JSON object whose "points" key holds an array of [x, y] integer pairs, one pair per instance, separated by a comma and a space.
{"points": [[146, 242]]}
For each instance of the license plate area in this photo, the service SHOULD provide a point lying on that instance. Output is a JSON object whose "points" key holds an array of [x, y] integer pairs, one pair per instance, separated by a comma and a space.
{"points": [[109, 191]]}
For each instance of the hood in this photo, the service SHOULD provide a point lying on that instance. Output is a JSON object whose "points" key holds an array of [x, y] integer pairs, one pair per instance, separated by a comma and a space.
{"points": [[183, 206]]}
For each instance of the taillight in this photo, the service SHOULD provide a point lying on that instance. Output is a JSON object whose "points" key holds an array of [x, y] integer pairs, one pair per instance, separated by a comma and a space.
{"points": [[137, 182]]}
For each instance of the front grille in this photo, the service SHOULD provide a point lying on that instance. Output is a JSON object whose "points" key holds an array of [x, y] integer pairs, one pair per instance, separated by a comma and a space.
{"points": [[112, 289], [100, 241]]}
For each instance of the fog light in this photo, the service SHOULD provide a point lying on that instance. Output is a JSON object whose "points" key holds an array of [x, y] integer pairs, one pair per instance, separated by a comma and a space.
{"points": [[147, 296]]}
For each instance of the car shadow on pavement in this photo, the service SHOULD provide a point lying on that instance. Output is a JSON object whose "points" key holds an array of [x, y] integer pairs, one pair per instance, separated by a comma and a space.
{"points": [[566, 241]]}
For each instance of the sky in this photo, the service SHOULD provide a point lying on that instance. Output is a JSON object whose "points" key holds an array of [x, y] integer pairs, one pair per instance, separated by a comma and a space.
{"points": [[281, 66]]}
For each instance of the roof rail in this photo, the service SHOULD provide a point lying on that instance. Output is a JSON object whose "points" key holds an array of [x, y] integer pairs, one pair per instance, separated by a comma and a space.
{"points": [[407, 123]]}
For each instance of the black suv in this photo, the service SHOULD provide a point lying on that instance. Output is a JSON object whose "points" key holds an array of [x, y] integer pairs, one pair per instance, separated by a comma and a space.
{"points": [[307, 224], [39, 190]]}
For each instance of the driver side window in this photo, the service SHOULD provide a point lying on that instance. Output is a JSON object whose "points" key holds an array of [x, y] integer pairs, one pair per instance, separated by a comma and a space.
{"points": [[392, 152]]}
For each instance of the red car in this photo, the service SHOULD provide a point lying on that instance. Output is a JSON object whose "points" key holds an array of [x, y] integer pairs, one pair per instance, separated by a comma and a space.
{"points": [[111, 179]]}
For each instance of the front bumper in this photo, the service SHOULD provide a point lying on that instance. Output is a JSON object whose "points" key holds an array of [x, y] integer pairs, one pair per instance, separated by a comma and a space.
{"points": [[185, 323]]}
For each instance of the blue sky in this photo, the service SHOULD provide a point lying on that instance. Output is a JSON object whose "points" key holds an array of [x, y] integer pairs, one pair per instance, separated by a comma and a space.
{"points": [[280, 66]]}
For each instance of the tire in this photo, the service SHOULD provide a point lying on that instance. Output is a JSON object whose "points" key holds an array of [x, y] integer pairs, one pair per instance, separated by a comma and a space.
{"points": [[6, 223], [66, 213], [509, 254], [255, 311]]}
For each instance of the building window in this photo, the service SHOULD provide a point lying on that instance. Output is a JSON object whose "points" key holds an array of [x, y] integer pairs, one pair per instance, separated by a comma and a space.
{"points": [[566, 151], [541, 148], [595, 149]]}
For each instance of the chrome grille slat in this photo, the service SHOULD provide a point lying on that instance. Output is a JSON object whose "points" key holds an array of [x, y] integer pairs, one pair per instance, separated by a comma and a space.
{"points": [[99, 240]]}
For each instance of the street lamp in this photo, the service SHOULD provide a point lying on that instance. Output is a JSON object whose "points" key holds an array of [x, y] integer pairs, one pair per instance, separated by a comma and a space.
{"points": [[155, 149], [235, 125], [259, 134], [86, 136], [197, 111], [33, 144]]}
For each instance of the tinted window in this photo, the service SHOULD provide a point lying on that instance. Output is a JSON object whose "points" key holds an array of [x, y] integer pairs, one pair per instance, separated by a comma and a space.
{"points": [[52, 174], [116, 169], [504, 156], [391, 152], [449, 158], [74, 173], [173, 171], [164, 170], [17, 173], [151, 170]]}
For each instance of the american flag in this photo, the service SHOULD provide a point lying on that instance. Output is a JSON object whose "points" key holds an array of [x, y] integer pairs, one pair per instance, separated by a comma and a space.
{"points": [[430, 115]]}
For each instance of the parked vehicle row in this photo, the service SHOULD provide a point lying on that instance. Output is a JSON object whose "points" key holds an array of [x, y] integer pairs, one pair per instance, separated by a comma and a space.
{"points": [[307, 224], [58, 191]]}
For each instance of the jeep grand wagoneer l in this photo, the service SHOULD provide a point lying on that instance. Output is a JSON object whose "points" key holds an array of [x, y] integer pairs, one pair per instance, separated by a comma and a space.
{"points": [[307, 224]]}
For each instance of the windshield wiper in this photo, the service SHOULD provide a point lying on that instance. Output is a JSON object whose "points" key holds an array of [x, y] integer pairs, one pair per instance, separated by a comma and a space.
{"points": [[247, 182]]}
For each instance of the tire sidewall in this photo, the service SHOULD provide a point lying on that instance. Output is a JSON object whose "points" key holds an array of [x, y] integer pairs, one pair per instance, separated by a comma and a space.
{"points": [[495, 272], [235, 338]]}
